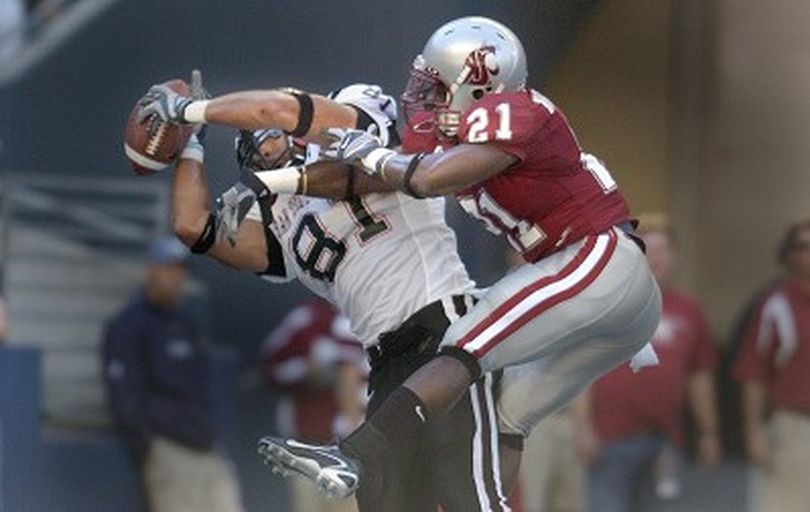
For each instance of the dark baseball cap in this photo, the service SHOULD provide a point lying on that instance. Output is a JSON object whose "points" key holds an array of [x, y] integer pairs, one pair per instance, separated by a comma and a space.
{"points": [[167, 250]]}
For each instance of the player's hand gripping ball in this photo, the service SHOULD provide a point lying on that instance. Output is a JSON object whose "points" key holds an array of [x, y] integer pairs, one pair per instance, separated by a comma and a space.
{"points": [[150, 143]]}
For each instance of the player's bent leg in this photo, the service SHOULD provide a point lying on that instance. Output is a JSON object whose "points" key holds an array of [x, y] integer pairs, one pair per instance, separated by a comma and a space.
{"points": [[402, 421], [563, 373], [593, 289], [510, 447], [412, 489], [465, 455], [440, 383], [406, 486], [394, 431]]}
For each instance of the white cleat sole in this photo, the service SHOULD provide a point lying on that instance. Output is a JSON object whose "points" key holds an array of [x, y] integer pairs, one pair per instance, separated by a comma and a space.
{"points": [[285, 463]]}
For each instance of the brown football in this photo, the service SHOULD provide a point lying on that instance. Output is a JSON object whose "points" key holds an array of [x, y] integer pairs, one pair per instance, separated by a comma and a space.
{"points": [[152, 145]]}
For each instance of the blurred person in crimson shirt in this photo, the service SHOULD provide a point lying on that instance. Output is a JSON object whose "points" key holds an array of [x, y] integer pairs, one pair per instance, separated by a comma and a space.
{"points": [[773, 366], [157, 378], [630, 424], [320, 366]]}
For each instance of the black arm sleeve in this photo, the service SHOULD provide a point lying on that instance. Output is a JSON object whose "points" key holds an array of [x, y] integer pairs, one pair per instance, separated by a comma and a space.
{"points": [[305, 114], [275, 254]]}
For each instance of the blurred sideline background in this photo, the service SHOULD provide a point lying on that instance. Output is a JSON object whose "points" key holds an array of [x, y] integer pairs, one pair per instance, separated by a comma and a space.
{"points": [[699, 108]]}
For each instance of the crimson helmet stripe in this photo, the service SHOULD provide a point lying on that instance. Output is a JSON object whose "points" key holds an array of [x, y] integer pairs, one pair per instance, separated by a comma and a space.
{"points": [[541, 295]]}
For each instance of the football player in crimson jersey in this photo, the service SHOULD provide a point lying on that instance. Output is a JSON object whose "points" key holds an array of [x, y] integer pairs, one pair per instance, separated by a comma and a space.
{"points": [[586, 300]]}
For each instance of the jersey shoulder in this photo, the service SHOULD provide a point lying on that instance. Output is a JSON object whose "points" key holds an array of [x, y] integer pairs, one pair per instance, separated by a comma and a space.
{"points": [[377, 110]]}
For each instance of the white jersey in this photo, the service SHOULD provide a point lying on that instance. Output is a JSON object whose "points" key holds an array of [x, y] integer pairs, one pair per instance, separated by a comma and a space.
{"points": [[380, 257]]}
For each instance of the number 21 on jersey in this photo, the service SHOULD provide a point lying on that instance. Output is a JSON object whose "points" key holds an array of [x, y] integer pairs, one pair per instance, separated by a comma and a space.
{"points": [[478, 121]]}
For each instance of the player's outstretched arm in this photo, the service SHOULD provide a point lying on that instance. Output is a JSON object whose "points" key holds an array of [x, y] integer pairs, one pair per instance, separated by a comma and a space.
{"points": [[444, 173], [195, 224], [331, 180], [420, 175], [296, 112]]}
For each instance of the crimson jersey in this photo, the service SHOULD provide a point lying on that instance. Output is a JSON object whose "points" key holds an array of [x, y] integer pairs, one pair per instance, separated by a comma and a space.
{"points": [[553, 194], [313, 335], [776, 347]]}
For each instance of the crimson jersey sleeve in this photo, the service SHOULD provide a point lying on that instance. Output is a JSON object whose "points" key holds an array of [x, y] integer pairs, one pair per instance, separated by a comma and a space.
{"points": [[506, 120]]}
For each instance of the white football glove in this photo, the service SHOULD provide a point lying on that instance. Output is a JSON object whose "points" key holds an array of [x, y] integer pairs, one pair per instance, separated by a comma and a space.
{"points": [[235, 203], [194, 150], [357, 147], [163, 102]]}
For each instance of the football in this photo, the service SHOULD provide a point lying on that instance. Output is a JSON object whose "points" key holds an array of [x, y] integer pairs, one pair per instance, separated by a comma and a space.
{"points": [[153, 145]]}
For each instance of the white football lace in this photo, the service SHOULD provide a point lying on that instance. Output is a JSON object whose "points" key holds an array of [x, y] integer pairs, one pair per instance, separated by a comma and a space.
{"points": [[156, 140]]}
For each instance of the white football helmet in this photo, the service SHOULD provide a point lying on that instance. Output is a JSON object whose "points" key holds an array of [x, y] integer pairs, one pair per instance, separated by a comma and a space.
{"points": [[461, 62]]}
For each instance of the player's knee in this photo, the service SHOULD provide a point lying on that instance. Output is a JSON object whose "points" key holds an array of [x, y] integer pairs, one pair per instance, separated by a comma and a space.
{"points": [[469, 361]]}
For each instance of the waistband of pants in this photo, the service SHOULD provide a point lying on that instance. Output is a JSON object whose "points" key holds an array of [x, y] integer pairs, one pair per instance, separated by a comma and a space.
{"points": [[421, 331], [629, 229]]}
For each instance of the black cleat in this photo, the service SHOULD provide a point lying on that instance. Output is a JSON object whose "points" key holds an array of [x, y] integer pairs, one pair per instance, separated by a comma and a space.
{"points": [[335, 474]]}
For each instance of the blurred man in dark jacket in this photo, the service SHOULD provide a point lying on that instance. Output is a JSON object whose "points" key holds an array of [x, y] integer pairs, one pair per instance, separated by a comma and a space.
{"points": [[157, 381]]}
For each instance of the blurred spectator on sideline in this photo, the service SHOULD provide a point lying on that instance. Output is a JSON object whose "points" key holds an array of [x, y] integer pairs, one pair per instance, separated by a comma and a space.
{"points": [[12, 29], [4, 328], [318, 364], [731, 406], [773, 366], [157, 378], [630, 426], [552, 478]]}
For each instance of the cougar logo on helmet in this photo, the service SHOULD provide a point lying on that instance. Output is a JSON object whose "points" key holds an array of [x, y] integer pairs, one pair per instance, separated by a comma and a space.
{"points": [[481, 63]]}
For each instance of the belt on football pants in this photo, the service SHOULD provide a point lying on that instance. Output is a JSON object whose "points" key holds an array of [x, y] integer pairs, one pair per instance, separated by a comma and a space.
{"points": [[421, 332], [628, 228]]}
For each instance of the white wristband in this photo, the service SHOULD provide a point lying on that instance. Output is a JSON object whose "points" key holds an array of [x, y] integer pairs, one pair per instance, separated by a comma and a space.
{"points": [[281, 181], [374, 161], [195, 112], [193, 150]]}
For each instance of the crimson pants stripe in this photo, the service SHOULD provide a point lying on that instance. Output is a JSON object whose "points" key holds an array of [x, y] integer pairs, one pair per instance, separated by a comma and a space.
{"points": [[525, 292], [568, 292]]}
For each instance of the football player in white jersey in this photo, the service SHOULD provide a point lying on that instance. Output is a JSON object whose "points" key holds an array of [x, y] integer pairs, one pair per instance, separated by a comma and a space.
{"points": [[387, 260]]}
